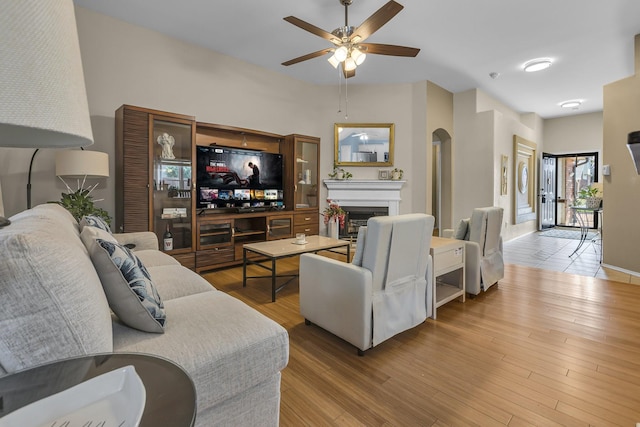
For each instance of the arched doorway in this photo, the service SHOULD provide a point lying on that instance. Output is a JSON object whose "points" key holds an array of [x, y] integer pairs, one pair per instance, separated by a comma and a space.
{"points": [[441, 191]]}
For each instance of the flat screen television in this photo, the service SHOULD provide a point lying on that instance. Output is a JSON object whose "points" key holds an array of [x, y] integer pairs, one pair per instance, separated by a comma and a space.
{"points": [[228, 177]]}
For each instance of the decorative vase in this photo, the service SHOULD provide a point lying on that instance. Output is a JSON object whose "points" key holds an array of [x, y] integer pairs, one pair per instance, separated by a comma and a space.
{"points": [[593, 202], [340, 175], [333, 227]]}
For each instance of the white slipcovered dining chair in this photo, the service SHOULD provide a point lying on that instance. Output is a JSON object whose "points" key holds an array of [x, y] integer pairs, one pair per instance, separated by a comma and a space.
{"points": [[484, 262], [385, 289]]}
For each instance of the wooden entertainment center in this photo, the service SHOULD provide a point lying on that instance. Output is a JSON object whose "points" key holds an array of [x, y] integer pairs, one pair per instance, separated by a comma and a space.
{"points": [[156, 186]]}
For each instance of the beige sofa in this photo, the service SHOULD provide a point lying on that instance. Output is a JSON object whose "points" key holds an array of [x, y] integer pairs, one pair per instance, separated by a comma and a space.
{"points": [[54, 307]]}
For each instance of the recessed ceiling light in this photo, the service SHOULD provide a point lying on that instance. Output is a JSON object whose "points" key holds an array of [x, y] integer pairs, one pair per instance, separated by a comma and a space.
{"points": [[537, 65], [571, 104]]}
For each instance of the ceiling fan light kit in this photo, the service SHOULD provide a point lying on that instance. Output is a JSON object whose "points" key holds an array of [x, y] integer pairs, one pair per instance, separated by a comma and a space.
{"points": [[348, 50]]}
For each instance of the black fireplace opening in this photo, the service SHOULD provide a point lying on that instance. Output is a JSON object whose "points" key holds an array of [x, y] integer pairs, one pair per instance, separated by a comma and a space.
{"points": [[357, 216]]}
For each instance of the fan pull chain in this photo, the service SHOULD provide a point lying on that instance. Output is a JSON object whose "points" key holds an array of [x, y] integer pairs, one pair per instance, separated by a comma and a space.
{"points": [[346, 98], [339, 91]]}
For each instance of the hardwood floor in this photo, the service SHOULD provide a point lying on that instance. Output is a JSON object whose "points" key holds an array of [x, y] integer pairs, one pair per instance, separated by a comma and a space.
{"points": [[542, 348]]}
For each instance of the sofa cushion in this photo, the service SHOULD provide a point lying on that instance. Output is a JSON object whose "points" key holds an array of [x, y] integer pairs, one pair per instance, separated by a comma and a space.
{"points": [[152, 258], [94, 221], [90, 234], [222, 361], [130, 291], [175, 281], [53, 306]]}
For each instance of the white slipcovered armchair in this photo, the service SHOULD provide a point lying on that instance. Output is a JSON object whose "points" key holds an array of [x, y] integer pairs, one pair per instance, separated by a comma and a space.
{"points": [[382, 292], [484, 264]]}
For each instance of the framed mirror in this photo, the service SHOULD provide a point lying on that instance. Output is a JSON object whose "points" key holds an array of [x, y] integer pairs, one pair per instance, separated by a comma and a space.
{"points": [[363, 144]]}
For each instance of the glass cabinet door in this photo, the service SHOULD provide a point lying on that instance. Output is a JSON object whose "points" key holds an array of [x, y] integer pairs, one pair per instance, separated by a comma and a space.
{"points": [[306, 173], [171, 147], [279, 227]]}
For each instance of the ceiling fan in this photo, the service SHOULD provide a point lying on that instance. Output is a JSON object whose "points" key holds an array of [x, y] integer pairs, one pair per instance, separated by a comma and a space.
{"points": [[349, 51]]}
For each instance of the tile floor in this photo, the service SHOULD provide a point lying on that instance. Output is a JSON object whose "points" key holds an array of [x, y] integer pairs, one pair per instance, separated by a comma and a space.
{"points": [[551, 253]]}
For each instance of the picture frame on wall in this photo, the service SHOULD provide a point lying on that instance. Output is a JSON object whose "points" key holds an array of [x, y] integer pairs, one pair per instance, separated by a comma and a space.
{"points": [[504, 169], [363, 144]]}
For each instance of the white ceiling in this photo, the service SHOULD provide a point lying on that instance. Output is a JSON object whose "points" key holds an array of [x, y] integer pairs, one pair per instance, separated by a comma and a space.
{"points": [[461, 42]]}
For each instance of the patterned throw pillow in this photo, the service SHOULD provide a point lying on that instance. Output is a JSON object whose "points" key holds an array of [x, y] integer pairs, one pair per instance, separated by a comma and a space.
{"points": [[94, 221], [130, 291]]}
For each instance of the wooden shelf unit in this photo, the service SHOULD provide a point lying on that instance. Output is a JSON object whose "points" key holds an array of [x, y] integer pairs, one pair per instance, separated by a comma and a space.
{"points": [[205, 240]]}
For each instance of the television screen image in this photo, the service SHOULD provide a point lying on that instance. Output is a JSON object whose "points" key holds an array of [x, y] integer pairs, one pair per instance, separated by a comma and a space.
{"points": [[208, 194], [242, 194], [225, 194], [257, 194], [271, 194], [237, 174]]}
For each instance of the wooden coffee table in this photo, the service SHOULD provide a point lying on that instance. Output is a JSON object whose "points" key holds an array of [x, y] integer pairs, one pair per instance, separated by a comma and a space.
{"points": [[274, 250]]}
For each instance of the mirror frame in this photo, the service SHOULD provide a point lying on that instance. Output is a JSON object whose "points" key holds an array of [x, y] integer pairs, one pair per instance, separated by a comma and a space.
{"points": [[362, 127]]}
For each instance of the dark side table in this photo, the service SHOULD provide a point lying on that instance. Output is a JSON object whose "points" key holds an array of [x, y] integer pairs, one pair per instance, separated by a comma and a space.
{"points": [[170, 393]]}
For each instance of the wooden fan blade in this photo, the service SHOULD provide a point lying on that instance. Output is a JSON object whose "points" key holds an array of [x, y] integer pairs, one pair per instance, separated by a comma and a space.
{"points": [[389, 49], [375, 21], [307, 56], [312, 29]]}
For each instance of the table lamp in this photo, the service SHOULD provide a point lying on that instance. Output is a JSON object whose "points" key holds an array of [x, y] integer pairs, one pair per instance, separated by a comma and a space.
{"points": [[82, 164], [44, 100]]}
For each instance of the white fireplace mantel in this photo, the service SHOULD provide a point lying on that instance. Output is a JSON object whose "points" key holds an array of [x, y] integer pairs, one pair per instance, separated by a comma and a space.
{"points": [[366, 192]]}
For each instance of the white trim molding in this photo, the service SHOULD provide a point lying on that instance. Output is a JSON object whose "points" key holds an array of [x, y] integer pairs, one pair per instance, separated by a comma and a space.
{"points": [[366, 193]]}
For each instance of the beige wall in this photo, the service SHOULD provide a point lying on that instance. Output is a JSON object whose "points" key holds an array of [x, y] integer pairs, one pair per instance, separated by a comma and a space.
{"points": [[373, 104], [484, 130], [125, 64], [621, 228], [580, 133], [440, 120]]}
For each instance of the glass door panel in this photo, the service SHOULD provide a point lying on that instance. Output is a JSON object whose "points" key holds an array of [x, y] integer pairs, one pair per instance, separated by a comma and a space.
{"points": [[306, 173], [171, 145], [574, 173]]}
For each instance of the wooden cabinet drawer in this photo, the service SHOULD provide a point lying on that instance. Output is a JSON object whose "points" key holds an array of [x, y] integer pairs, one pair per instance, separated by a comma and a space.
{"points": [[306, 218], [308, 229], [187, 260], [214, 256]]}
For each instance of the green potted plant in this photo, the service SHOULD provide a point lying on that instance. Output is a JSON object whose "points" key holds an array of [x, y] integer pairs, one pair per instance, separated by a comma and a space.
{"points": [[590, 196], [339, 173], [80, 203]]}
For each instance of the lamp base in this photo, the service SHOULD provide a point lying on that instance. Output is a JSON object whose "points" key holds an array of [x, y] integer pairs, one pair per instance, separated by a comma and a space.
{"points": [[4, 222]]}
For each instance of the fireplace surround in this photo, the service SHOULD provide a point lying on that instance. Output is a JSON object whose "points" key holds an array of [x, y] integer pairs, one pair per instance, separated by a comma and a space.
{"points": [[363, 198]]}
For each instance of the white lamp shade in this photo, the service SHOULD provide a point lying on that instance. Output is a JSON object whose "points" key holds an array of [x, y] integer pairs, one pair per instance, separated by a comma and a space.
{"points": [[349, 64], [81, 163], [333, 61], [341, 53], [358, 55], [44, 100]]}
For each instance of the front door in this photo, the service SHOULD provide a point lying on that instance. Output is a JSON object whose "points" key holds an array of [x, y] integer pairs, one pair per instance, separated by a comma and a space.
{"points": [[548, 192], [563, 176]]}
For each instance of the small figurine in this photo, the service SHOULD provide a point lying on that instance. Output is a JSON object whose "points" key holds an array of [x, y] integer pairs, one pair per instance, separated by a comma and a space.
{"points": [[167, 142]]}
